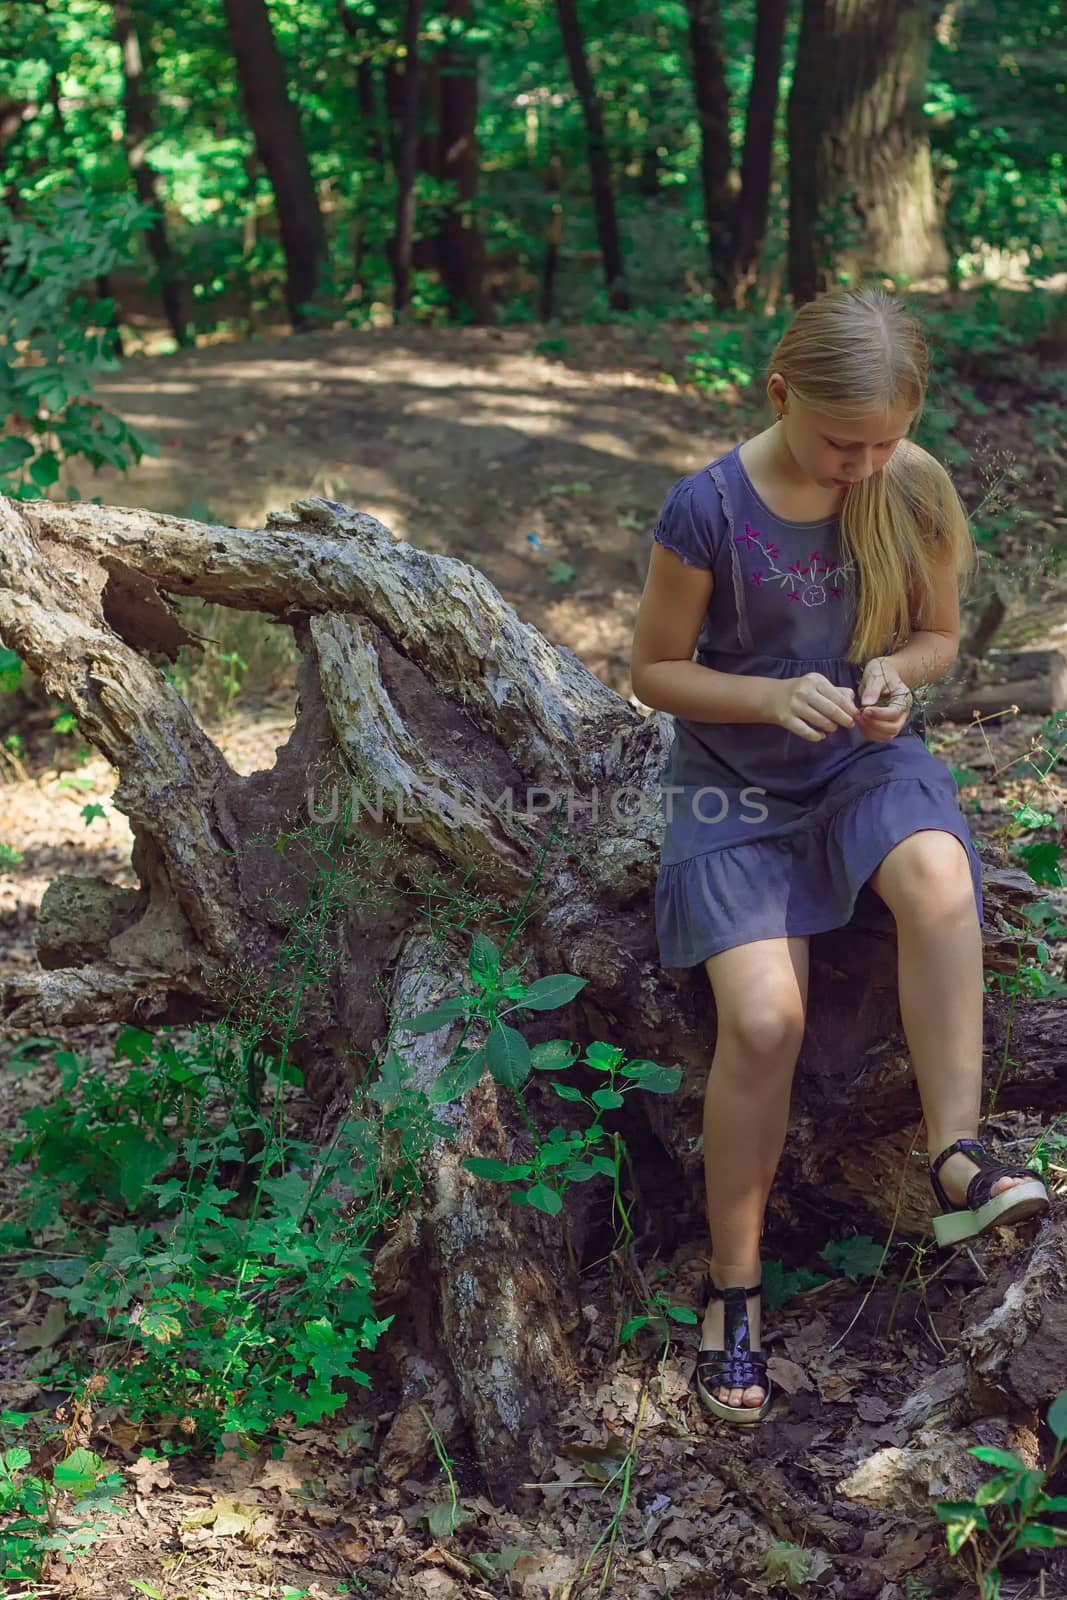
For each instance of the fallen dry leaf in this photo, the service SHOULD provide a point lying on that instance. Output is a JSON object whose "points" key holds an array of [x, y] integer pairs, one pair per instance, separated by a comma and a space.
{"points": [[148, 1475], [788, 1375], [230, 1517], [906, 1551], [838, 1386]]}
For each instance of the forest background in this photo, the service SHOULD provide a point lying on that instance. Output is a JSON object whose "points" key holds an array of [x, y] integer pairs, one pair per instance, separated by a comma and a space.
{"points": [[273, 247]]}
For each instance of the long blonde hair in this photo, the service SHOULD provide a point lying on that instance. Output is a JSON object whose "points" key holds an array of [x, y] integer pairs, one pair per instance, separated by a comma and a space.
{"points": [[851, 353]]}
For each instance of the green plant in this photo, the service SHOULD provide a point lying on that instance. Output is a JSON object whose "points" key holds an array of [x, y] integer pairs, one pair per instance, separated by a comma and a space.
{"points": [[31, 1502], [54, 339], [1009, 1512]]}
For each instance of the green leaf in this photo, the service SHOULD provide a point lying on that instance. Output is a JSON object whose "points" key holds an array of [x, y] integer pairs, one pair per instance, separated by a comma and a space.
{"points": [[45, 470], [998, 1458], [508, 1056], [133, 1044], [628, 1329], [554, 1055], [460, 1076], [648, 1075], [484, 961], [439, 1017], [579, 1171], [485, 1167], [1042, 861], [79, 1473], [160, 1325], [10, 670], [1028, 817], [603, 1057], [547, 994], [14, 452], [1039, 1535], [1057, 1415], [443, 1518], [139, 1157], [856, 1258], [1001, 1489], [545, 1199], [607, 1099], [567, 1091]]}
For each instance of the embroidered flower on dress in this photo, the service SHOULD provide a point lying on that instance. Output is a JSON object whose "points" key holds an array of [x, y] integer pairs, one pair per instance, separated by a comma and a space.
{"points": [[806, 581]]}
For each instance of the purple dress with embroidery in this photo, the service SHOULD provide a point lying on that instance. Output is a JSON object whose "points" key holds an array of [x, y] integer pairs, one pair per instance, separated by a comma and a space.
{"points": [[768, 834]]}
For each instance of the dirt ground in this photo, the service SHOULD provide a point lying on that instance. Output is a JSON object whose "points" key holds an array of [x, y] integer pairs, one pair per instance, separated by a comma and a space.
{"points": [[466, 443]]}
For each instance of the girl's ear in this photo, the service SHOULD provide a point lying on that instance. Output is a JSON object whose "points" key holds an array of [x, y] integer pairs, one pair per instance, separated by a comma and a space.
{"points": [[777, 391]]}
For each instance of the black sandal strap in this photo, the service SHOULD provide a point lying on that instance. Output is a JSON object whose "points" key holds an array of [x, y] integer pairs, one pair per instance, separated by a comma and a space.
{"points": [[980, 1188], [716, 1369], [737, 1366]]}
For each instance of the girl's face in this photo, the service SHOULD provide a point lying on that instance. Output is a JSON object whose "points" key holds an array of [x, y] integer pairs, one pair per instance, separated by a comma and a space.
{"points": [[834, 452]]}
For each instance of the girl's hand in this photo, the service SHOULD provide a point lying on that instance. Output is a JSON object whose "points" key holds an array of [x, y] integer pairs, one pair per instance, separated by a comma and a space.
{"points": [[885, 700], [811, 706]]}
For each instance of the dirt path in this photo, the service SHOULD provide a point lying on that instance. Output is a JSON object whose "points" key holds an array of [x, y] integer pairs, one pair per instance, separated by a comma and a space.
{"points": [[463, 442]]}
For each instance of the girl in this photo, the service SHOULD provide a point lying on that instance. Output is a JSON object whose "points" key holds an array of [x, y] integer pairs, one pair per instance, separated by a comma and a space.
{"points": [[816, 568]]}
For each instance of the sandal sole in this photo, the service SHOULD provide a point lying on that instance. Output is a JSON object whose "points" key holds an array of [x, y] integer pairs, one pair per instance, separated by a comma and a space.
{"points": [[1013, 1205]]}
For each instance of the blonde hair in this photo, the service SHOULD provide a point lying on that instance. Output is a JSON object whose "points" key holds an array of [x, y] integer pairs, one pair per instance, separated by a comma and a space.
{"points": [[848, 354]]}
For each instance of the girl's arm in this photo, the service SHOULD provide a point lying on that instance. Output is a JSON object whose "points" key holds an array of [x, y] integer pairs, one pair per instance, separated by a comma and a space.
{"points": [[662, 670]]}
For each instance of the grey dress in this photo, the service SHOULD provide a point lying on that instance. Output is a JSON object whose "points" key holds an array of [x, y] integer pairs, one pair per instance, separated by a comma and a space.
{"points": [[768, 834]]}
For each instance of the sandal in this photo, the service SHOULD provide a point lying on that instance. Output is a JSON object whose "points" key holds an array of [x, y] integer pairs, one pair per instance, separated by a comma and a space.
{"points": [[981, 1212], [736, 1367]]}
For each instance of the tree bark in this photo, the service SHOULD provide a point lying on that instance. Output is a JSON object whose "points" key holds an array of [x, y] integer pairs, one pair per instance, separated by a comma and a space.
{"points": [[753, 203], [461, 253], [140, 119], [860, 182], [713, 115], [607, 225], [418, 681], [275, 125]]}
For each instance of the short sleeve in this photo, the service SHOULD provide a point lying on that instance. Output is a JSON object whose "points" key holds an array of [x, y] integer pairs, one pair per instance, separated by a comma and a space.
{"points": [[687, 524]]}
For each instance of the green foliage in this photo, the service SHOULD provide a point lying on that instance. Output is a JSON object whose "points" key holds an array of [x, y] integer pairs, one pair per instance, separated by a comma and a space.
{"points": [[54, 338], [733, 359], [30, 1500], [1009, 1512]]}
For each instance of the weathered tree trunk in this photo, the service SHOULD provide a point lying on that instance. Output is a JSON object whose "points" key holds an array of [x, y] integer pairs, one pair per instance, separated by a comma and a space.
{"points": [[860, 183], [139, 113], [607, 226], [418, 681], [275, 124]]}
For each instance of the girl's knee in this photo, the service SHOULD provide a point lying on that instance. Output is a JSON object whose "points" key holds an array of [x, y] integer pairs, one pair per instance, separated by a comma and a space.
{"points": [[927, 874], [771, 1030]]}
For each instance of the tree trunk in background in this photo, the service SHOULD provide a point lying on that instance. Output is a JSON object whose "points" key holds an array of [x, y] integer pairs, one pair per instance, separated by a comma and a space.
{"points": [[139, 114], [713, 115], [754, 202], [860, 182], [425, 251], [607, 226], [461, 254], [407, 161], [275, 125]]}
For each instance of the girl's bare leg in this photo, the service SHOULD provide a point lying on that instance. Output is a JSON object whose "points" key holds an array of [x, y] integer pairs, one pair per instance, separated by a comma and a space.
{"points": [[760, 994], [926, 883]]}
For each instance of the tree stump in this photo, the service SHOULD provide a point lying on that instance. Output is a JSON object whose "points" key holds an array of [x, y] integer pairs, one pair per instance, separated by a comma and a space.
{"points": [[510, 777]]}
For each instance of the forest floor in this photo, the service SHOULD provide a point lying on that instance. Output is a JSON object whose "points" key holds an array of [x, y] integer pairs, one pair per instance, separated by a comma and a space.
{"points": [[464, 443]]}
